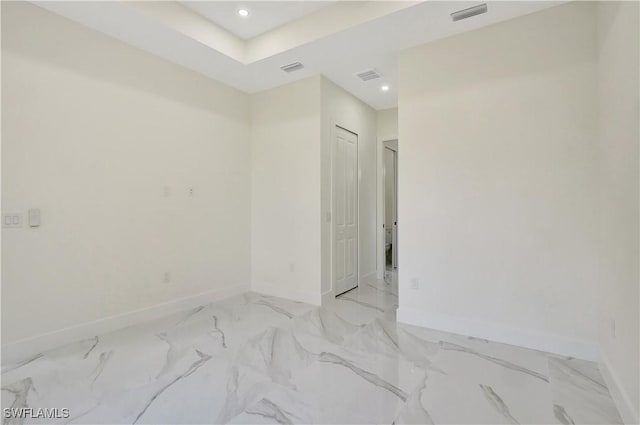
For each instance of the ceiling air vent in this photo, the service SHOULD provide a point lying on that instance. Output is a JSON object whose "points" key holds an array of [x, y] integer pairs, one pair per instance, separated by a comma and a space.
{"points": [[467, 13], [370, 74], [292, 67]]}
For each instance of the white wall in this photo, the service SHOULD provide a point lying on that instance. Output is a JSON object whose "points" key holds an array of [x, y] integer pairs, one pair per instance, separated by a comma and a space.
{"points": [[92, 132], [285, 187], [498, 193], [342, 109], [292, 128], [387, 124], [619, 91]]}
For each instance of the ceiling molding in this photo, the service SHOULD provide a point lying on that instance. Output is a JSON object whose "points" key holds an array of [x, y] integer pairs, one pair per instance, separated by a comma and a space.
{"points": [[263, 16], [327, 21], [337, 41], [184, 20]]}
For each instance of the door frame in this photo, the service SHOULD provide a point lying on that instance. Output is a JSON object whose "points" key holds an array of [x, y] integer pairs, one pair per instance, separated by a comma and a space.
{"points": [[334, 126], [394, 261], [380, 254]]}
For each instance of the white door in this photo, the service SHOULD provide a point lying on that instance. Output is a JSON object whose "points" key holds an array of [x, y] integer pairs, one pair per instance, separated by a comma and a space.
{"points": [[345, 211]]}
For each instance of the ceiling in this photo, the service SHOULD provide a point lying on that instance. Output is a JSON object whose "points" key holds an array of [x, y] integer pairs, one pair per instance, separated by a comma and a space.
{"points": [[337, 40], [264, 15]]}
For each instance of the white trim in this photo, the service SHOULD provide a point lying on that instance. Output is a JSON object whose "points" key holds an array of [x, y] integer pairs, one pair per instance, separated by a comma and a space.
{"points": [[285, 292], [499, 333], [380, 195], [394, 254], [28, 347], [334, 124], [618, 393], [380, 260], [328, 296]]}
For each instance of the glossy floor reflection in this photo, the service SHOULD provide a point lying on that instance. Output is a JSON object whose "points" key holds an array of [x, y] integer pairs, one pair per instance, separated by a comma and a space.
{"points": [[259, 359]]}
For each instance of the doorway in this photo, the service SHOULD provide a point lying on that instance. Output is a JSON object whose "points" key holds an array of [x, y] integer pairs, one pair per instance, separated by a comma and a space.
{"points": [[345, 211], [390, 208]]}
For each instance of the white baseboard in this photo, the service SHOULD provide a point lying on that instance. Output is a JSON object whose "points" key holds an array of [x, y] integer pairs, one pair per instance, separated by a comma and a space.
{"points": [[284, 292], [618, 393], [328, 296], [29, 347], [503, 334]]}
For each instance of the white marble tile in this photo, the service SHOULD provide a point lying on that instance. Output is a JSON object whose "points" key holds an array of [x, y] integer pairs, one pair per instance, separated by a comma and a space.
{"points": [[373, 296], [384, 338], [280, 406], [579, 393], [494, 383], [533, 362], [334, 390], [259, 359], [363, 304], [322, 330], [325, 382]]}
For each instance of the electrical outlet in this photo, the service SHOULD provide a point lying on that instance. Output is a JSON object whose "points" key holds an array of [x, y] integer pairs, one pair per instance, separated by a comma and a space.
{"points": [[12, 220], [415, 284], [167, 277], [190, 191]]}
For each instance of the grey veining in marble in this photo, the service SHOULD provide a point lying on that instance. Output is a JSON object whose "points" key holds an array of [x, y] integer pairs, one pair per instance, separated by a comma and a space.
{"points": [[497, 402], [261, 359], [367, 376], [195, 366], [93, 346], [562, 415], [102, 362], [413, 412], [20, 392], [269, 410], [22, 363], [191, 314], [449, 346], [580, 394], [219, 331], [275, 308]]}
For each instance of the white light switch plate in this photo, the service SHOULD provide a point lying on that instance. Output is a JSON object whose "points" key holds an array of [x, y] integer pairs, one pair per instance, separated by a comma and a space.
{"points": [[34, 217], [11, 220]]}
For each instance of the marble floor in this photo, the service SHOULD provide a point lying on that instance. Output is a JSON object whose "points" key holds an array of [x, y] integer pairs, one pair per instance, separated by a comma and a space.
{"points": [[258, 359]]}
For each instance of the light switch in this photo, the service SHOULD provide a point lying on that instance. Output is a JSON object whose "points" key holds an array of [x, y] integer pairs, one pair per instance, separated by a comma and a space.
{"points": [[34, 217], [11, 220]]}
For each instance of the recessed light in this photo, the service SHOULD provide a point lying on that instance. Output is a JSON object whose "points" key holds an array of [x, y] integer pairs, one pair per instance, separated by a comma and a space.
{"points": [[384, 88], [243, 12]]}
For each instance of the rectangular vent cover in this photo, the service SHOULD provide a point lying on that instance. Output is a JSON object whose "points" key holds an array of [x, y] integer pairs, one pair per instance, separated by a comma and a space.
{"points": [[467, 13], [292, 67], [370, 74]]}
